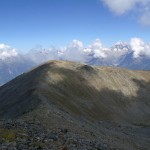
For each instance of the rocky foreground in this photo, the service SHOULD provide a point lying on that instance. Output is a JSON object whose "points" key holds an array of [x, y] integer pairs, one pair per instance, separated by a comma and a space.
{"points": [[19, 135]]}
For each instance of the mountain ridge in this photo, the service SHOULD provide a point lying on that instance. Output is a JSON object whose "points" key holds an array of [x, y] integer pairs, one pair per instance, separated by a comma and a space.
{"points": [[69, 77], [106, 105]]}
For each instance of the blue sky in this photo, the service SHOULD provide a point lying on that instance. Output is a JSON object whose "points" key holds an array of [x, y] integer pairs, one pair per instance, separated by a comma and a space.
{"points": [[27, 23]]}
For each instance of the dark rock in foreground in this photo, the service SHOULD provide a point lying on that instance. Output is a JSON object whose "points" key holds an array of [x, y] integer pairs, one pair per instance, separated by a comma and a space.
{"points": [[22, 135]]}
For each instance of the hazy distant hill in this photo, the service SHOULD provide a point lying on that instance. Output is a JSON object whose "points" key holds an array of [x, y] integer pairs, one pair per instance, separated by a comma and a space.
{"points": [[14, 66]]}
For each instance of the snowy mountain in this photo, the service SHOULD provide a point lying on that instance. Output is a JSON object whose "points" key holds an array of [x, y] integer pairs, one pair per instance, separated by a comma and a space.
{"points": [[135, 56], [113, 55], [140, 63], [124, 55]]}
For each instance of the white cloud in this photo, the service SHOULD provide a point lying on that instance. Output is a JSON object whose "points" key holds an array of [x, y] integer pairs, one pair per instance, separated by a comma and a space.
{"points": [[74, 52], [6, 51], [97, 48], [145, 18], [76, 44], [139, 47], [77, 52], [120, 6], [140, 7], [39, 54], [116, 52]]}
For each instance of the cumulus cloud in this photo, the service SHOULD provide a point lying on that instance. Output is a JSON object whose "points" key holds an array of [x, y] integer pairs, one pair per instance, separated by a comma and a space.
{"points": [[139, 47], [145, 18], [97, 48], [39, 54], [76, 51], [120, 6], [7, 51], [140, 7]]}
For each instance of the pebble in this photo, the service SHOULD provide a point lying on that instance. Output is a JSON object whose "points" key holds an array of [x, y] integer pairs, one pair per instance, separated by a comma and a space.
{"points": [[32, 136]]}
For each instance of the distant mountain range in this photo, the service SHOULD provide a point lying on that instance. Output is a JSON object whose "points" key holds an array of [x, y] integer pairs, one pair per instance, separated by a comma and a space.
{"points": [[14, 66], [120, 55]]}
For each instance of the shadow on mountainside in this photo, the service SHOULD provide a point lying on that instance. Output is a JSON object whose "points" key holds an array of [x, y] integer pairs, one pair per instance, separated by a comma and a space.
{"points": [[73, 93]]}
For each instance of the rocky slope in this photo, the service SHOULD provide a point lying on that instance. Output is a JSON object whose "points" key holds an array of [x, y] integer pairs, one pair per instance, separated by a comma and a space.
{"points": [[110, 106]]}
